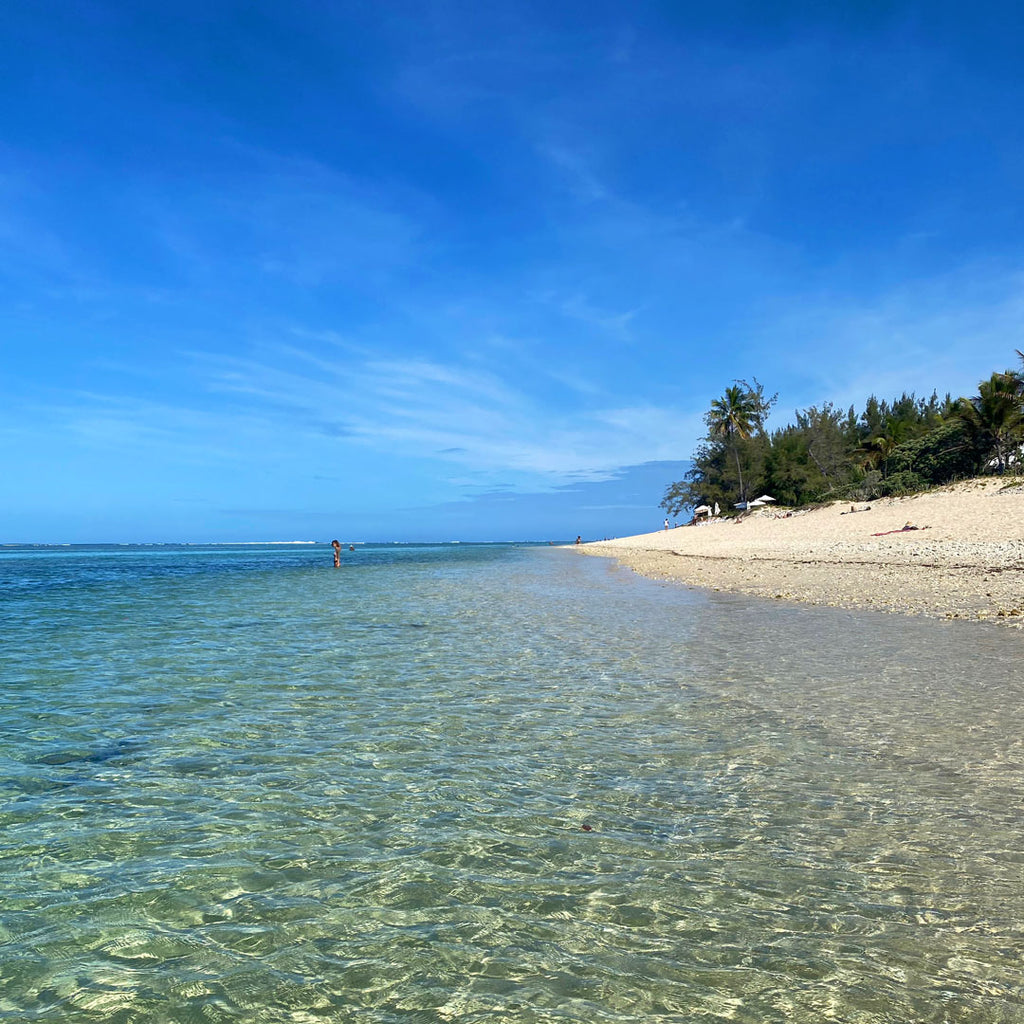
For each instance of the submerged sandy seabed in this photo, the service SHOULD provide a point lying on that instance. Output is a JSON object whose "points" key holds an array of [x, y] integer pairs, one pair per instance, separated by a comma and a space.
{"points": [[965, 560]]}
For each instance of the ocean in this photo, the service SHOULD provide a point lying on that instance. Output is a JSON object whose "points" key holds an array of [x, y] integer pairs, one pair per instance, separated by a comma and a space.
{"points": [[494, 783]]}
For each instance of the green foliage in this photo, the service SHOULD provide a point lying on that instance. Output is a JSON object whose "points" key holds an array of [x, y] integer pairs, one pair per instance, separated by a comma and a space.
{"points": [[712, 477], [680, 495], [943, 454], [732, 415], [890, 448], [904, 482], [732, 418], [789, 472], [994, 418]]}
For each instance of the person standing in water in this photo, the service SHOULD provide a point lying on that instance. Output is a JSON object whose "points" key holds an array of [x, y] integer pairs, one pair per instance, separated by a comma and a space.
{"points": [[337, 553]]}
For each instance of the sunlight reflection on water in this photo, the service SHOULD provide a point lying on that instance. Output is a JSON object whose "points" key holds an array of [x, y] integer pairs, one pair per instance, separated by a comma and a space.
{"points": [[251, 788]]}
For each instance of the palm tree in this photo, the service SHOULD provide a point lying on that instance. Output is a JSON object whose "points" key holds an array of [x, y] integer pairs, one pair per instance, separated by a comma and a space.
{"points": [[875, 451], [994, 417], [733, 417]]}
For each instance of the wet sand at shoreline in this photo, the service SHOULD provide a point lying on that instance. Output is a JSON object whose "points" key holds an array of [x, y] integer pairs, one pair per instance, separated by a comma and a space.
{"points": [[965, 560]]}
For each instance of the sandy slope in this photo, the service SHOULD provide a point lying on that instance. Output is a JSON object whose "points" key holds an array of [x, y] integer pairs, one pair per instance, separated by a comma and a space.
{"points": [[965, 561]]}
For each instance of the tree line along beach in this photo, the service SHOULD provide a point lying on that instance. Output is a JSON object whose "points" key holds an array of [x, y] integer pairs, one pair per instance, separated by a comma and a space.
{"points": [[911, 506]]}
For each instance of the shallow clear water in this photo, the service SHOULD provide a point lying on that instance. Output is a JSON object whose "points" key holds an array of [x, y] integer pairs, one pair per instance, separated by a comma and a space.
{"points": [[494, 784]]}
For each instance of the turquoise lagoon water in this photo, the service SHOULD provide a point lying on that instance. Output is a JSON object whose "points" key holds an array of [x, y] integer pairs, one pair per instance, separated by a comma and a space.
{"points": [[502, 784]]}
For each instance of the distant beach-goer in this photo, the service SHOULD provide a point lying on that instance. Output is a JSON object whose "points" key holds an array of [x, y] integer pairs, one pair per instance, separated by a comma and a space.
{"points": [[578, 541], [336, 544], [666, 524], [902, 529]]}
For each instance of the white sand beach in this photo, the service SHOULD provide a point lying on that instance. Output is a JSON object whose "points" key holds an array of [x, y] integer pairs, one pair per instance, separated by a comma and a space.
{"points": [[965, 560]]}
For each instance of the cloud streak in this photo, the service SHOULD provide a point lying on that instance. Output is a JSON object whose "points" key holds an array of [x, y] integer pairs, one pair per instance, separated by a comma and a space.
{"points": [[460, 413]]}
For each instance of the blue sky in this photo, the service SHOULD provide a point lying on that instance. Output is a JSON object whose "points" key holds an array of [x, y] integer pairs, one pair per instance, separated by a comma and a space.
{"points": [[432, 271]]}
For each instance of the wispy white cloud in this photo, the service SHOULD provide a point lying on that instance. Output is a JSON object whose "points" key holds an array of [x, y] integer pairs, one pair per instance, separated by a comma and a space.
{"points": [[578, 307], [484, 417], [942, 334], [34, 251], [459, 413], [578, 172], [286, 217], [172, 433]]}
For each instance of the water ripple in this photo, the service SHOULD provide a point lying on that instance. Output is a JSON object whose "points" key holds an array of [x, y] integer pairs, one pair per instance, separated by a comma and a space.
{"points": [[496, 785]]}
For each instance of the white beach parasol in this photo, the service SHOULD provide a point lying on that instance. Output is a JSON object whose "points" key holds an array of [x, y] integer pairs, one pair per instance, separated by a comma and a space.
{"points": [[765, 498]]}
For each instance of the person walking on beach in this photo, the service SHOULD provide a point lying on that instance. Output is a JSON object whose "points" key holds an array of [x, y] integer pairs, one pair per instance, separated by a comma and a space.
{"points": [[337, 553], [666, 523]]}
